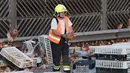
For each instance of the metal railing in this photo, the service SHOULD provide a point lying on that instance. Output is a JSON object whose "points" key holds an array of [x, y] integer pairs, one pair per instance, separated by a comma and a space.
{"points": [[89, 36], [33, 17]]}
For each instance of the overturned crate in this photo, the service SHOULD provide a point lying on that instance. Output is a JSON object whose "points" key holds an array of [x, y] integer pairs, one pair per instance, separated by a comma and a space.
{"points": [[18, 58]]}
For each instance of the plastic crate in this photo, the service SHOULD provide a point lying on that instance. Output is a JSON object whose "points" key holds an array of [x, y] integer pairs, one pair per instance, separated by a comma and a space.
{"points": [[17, 57], [81, 69], [29, 47], [122, 43], [110, 70], [83, 66], [113, 64], [48, 50], [117, 50], [113, 57]]}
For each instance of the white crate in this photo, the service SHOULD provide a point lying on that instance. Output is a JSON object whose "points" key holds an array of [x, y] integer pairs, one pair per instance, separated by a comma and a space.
{"points": [[17, 57], [113, 64], [122, 43], [48, 50], [29, 47], [111, 49]]}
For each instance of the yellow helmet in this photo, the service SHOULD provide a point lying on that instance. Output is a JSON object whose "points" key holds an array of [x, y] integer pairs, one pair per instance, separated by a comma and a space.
{"points": [[60, 8]]}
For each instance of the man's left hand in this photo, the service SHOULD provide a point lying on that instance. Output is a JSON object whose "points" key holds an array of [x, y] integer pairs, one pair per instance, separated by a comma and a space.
{"points": [[71, 36]]}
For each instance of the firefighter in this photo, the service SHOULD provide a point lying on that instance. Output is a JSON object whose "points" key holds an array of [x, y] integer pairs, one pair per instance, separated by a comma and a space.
{"points": [[59, 35]]}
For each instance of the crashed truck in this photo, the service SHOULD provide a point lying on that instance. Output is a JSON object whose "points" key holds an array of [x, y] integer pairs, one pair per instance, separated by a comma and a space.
{"points": [[16, 59]]}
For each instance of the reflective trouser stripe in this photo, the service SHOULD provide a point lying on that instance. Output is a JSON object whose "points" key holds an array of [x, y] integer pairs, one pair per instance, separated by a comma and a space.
{"points": [[66, 67], [56, 67]]}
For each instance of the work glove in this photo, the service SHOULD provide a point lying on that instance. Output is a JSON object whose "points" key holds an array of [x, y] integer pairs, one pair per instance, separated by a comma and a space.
{"points": [[68, 36], [64, 36]]}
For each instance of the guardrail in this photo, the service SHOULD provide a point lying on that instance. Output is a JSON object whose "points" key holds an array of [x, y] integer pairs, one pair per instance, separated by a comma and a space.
{"points": [[90, 36]]}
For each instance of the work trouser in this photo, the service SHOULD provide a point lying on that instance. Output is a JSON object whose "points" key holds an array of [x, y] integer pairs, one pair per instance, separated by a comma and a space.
{"points": [[60, 49]]}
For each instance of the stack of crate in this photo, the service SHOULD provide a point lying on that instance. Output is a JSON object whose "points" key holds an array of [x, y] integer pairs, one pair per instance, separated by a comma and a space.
{"points": [[112, 58]]}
